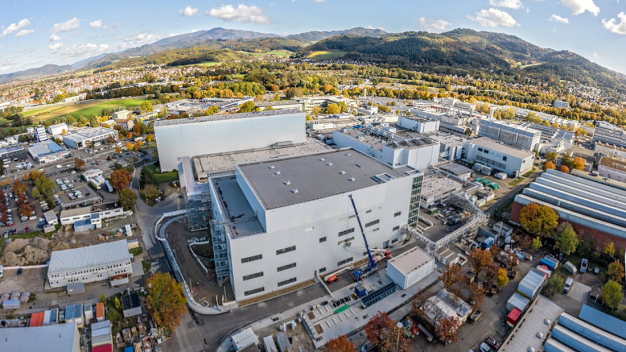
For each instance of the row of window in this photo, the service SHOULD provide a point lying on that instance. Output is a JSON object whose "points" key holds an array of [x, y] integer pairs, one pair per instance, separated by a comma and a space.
{"points": [[252, 276], [285, 267], [286, 250], [347, 260], [288, 281], [372, 223], [256, 290], [345, 232]]}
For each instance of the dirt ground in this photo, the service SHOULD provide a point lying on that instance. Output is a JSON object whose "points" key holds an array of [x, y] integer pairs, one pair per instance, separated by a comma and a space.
{"points": [[203, 286], [31, 280]]}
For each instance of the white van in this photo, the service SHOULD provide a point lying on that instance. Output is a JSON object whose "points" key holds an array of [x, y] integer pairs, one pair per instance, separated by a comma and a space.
{"points": [[568, 284]]}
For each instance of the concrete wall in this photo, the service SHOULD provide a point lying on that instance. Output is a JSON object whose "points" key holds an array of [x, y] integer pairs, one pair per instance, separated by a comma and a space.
{"points": [[190, 139]]}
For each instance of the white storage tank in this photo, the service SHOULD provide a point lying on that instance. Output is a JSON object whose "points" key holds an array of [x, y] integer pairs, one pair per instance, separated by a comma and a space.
{"points": [[410, 267]]}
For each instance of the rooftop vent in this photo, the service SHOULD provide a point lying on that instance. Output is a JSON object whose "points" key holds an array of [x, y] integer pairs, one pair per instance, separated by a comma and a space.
{"points": [[321, 159], [277, 172], [352, 179], [287, 182], [271, 167], [329, 164], [547, 321], [294, 191], [342, 172], [540, 335], [348, 154]]}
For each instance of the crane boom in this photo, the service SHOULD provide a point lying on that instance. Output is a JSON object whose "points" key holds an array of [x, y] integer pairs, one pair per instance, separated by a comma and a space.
{"points": [[367, 247]]}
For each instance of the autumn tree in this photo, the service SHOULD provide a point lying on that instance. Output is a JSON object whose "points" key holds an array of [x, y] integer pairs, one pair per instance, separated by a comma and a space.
{"points": [[19, 187], [146, 106], [446, 329], [539, 220], [150, 139], [165, 301], [536, 244], [551, 156], [502, 278], [479, 259], [120, 179], [566, 239], [450, 275], [339, 344], [382, 331], [549, 165], [525, 243], [555, 285], [564, 169], [609, 249], [578, 163], [79, 163], [111, 140], [615, 271], [129, 146], [127, 198], [476, 295], [612, 294], [333, 109], [151, 192]]}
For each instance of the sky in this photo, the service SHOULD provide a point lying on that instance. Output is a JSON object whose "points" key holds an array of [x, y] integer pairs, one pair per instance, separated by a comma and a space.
{"points": [[38, 32]]}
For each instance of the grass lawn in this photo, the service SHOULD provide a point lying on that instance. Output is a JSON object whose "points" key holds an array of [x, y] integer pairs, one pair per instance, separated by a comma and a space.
{"points": [[146, 266], [92, 107], [325, 55], [166, 177], [530, 172], [208, 63], [136, 251], [278, 53], [516, 182]]}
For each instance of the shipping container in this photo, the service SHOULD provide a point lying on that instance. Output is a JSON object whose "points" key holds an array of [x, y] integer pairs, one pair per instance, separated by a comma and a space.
{"points": [[531, 283], [517, 301], [99, 312], [550, 261], [513, 317], [11, 304]]}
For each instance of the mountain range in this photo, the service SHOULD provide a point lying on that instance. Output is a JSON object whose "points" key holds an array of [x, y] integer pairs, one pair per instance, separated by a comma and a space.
{"points": [[460, 51], [196, 38]]}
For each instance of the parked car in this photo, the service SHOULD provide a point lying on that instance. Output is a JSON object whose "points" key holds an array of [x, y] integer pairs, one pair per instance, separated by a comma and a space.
{"points": [[492, 342], [484, 347], [583, 265]]}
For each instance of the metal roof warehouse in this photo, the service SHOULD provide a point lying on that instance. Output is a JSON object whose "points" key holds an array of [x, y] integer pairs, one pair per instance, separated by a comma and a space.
{"points": [[88, 257]]}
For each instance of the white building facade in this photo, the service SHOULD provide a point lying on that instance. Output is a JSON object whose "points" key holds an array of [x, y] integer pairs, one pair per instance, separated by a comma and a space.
{"points": [[518, 136], [296, 220], [499, 156], [226, 133]]}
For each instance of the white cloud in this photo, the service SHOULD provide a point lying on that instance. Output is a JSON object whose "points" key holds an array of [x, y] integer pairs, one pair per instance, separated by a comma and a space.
{"points": [[56, 46], [580, 6], [241, 13], [434, 26], [372, 27], [188, 11], [143, 38], [557, 18], [54, 37], [88, 49], [613, 26], [24, 32], [596, 55], [319, 0], [494, 18], [13, 27], [66, 26], [511, 4], [96, 24]]}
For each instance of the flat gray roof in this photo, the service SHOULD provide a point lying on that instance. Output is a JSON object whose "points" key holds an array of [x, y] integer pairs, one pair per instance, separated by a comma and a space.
{"points": [[235, 206], [212, 164], [456, 169], [88, 257], [51, 338], [488, 143], [302, 179], [524, 335], [410, 260], [162, 123]]}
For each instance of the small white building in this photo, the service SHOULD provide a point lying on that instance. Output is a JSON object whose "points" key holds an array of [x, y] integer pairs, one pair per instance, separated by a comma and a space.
{"points": [[40, 134], [410, 267], [70, 216], [612, 168], [418, 124], [91, 174], [499, 156], [80, 137], [243, 339], [90, 264], [47, 152], [57, 129], [122, 114]]}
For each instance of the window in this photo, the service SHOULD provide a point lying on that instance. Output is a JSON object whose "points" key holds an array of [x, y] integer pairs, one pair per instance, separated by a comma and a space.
{"points": [[345, 232], [480, 149], [395, 215], [323, 239], [344, 241], [285, 282], [372, 223], [286, 250], [251, 259], [347, 260], [486, 151], [256, 290], [285, 267], [503, 158], [396, 228], [394, 240], [322, 270], [252, 276]]}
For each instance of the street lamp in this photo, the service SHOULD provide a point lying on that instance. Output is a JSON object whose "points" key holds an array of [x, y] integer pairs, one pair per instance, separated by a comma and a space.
{"points": [[399, 326]]}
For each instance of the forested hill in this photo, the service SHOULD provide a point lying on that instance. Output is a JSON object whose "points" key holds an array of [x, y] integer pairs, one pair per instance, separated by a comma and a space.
{"points": [[468, 51]]}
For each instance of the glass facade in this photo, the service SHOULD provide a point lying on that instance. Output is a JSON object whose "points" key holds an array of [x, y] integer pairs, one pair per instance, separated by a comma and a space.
{"points": [[414, 207]]}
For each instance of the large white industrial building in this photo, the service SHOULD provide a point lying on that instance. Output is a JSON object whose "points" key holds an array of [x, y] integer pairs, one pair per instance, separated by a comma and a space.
{"points": [[418, 152], [90, 264], [279, 223], [609, 134], [418, 124], [518, 136], [499, 156], [226, 133]]}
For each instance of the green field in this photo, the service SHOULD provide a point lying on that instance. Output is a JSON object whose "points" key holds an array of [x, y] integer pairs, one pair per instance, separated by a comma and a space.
{"points": [[86, 109], [326, 55], [278, 53], [207, 63]]}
